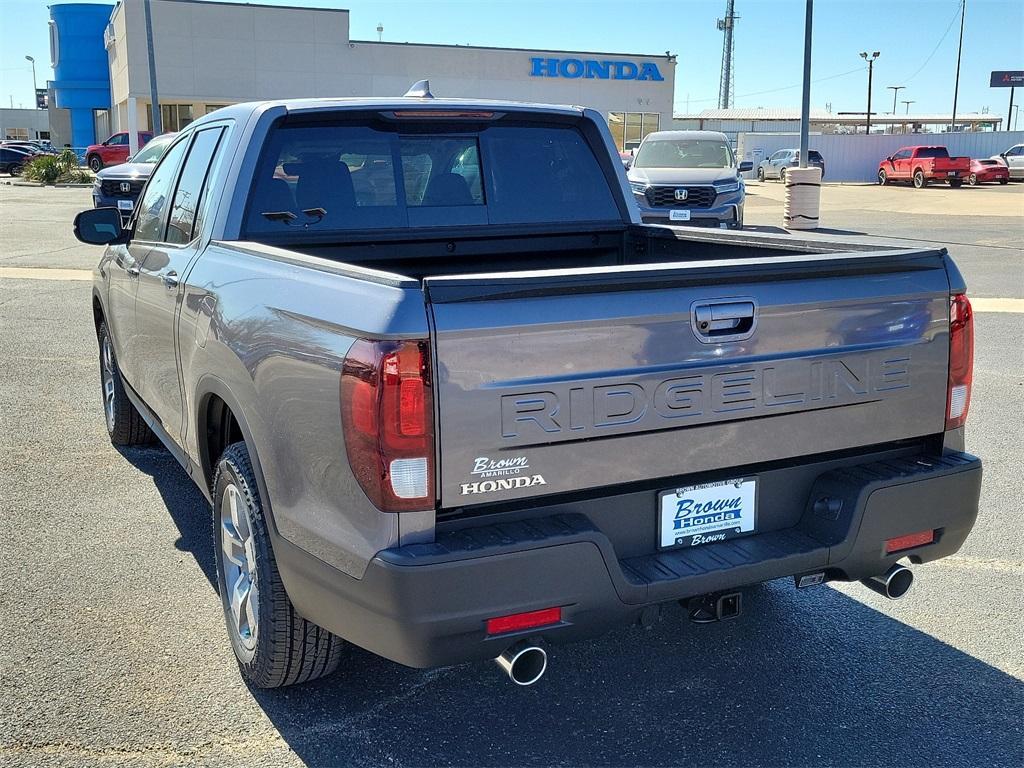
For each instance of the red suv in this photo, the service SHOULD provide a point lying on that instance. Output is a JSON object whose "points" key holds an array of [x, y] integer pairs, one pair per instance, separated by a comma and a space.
{"points": [[113, 151]]}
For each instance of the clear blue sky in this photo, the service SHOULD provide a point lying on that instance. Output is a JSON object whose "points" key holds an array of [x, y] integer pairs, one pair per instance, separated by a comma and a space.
{"points": [[769, 51]]}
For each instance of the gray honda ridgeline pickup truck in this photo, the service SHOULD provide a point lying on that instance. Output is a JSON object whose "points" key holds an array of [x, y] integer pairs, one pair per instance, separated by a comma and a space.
{"points": [[451, 400]]}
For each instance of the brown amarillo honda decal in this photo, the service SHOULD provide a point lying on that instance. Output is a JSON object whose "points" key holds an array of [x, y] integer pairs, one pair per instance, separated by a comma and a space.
{"points": [[508, 473]]}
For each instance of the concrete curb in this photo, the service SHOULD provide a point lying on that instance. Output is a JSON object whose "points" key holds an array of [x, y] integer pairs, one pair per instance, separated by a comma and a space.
{"points": [[40, 184]]}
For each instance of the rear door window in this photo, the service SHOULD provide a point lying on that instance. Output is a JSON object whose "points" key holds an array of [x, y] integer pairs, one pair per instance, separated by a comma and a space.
{"points": [[189, 195], [325, 177]]}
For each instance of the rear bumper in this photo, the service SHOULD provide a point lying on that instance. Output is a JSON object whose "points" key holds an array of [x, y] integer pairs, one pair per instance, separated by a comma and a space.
{"points": [[426, 605]]}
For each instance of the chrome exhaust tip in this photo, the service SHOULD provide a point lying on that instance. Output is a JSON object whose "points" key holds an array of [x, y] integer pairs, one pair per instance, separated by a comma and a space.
{"points": [[893, 584], [524, 663]]}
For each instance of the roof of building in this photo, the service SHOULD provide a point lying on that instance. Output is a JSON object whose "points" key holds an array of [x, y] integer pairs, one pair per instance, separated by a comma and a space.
{"points": [[821, 116]]}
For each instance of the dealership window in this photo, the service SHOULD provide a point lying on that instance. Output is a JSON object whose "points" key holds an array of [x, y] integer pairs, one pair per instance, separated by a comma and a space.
{"points": [[20, 134], [213, 108], [632, 126], [173, 117]]}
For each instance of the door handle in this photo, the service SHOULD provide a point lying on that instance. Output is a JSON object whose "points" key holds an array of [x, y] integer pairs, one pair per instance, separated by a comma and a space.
{"points": [[169, 279], [133, 270], [727, 320]]}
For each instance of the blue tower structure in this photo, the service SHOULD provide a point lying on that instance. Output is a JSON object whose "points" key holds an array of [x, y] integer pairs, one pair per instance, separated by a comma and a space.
{"points": [[81, 71]]}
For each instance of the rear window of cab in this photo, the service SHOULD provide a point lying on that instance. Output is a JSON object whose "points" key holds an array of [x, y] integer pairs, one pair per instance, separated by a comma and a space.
{"points": [[345, 177]]}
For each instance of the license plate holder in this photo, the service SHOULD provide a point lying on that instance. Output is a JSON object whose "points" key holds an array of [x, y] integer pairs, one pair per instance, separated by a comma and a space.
{"points": [[679, 215], [125, 205], [707, 513]]}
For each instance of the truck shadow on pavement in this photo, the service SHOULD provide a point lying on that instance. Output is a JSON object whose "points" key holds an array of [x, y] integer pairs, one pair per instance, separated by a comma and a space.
{"points": [[808, 677], [802, 678], [186, 504]]}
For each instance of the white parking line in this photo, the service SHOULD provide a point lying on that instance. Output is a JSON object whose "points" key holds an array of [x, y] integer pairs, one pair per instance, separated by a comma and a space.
{"points": [[37, 273], [1014, 306]]}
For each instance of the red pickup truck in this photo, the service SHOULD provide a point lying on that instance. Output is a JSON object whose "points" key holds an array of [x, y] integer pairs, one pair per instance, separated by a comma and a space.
{"points": [[113, 151], [920, 165]]}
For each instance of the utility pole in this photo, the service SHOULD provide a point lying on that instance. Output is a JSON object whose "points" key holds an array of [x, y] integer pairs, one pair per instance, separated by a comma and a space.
{"points": [[959, 50], [805, 102], [157, 125], [1009, 112], [895, 89], [871, 67], [728, 77]]}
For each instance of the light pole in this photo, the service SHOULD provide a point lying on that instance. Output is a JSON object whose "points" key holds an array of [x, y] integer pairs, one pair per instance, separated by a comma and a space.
{"points": [[956, 85], [380, 31], [29, 58], [895, 90], [870, 59]]}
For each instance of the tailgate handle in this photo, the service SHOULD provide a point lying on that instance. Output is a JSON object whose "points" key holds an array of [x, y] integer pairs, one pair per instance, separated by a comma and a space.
{"points": [[727, 320]]}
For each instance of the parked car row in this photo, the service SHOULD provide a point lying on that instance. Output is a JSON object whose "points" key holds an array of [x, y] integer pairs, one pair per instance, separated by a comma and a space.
{"points": [[775, 166], [15, 153]]}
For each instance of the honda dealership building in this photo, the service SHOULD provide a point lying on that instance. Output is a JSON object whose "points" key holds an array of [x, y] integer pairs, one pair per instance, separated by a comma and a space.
{"points": [[209, 54]]}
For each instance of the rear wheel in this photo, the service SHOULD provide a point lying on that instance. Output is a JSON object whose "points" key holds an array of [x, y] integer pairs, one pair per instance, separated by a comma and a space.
{"points": [[125, 424], [954, 183], [1004, 181], [883, 178], [920, 182], [274, 646], [95, 163]]}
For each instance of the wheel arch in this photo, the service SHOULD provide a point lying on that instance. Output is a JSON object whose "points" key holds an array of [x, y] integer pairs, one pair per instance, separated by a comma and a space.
{"points": [[220, 421]]}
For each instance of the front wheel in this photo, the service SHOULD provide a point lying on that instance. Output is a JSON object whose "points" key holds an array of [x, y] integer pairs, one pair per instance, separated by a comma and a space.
{"points": [[920, 182], [972, 180], [125, 425], [274, 646], [782, 175], [883, 178], [95, 163], [760, 174]]}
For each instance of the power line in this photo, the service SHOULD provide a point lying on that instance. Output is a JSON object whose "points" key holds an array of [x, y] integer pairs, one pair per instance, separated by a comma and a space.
{"points": [[942, 39], [785, 87]]}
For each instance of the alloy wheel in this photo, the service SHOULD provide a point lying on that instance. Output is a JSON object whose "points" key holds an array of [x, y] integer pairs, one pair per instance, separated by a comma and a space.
{"points": [[239, 566], [108, 372]]}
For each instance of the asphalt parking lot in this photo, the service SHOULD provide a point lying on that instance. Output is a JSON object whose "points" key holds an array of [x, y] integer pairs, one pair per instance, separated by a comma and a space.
{"points": [[114, 650]]}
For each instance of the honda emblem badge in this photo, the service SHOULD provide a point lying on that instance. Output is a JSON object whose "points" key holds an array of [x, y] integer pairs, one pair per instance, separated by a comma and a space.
{"points": [[681, 194], [126, 187]]}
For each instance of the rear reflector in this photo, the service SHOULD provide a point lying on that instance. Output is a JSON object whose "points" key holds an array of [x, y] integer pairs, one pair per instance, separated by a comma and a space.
{"points": [[909, 541], [517, 621]]}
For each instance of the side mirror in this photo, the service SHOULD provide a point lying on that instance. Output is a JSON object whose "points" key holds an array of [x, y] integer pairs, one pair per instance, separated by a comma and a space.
{"points": [[128, 159], [628, 164], [745, 166], [100, 226]]}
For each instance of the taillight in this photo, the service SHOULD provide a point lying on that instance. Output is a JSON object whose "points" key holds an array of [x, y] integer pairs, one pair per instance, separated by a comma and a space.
{"points": [[961, 360], [388, 418]]}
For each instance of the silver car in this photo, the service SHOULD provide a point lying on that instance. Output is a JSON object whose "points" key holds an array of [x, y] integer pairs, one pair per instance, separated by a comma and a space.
{"points": [[1014, 159], [775, 166]]}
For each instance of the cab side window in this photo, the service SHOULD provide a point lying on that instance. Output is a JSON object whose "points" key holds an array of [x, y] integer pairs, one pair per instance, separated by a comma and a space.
{"points": [[153, 209], [188, 197]]}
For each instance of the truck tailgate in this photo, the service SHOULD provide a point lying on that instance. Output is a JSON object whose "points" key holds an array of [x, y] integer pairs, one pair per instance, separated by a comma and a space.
{"points": [[567, 380]]}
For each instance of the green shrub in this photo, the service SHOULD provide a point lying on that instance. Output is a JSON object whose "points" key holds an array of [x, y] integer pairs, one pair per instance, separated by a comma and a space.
{"points": [[54, 169]]}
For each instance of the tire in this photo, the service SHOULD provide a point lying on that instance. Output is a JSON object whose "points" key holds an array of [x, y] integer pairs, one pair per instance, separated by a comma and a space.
{"points": [[782, 175], [125, 425], [273, 645], [956, 183], [1004, 181], [760, 174], [95, 163], [973, 179], [14, 169], [920, 182], [883, 177]]}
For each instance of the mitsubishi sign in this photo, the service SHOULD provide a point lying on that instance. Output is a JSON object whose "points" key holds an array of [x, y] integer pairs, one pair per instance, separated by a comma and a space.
{"points": [[1013, 78]]}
